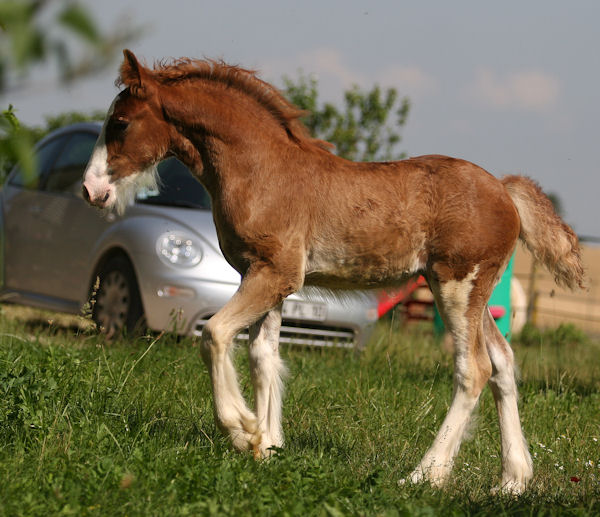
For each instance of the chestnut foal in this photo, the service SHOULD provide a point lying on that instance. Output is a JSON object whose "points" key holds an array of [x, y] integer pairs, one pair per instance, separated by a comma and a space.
{"points": [[289, 213]]}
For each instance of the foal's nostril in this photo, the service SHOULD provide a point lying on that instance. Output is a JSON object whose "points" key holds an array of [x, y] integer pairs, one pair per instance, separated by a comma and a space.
{"points": [[99, 201], [86, 194]]}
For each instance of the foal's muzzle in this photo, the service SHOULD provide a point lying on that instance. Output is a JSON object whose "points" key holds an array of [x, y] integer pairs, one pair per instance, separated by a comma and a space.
{"points": [[98, 201]]}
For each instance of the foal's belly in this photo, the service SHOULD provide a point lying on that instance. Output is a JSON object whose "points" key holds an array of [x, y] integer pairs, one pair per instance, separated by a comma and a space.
{"points": [[343, 269]]}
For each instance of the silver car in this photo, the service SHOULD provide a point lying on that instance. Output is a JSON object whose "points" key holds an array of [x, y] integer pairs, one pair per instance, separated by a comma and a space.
{"points": [[158, 265]]}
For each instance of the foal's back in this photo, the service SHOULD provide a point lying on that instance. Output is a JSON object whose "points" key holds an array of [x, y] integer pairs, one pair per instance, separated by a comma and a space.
{"points": [[377, 223]]}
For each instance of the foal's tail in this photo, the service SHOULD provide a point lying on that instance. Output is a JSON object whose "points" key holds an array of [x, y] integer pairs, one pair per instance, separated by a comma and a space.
{"points": [[546, 235]]}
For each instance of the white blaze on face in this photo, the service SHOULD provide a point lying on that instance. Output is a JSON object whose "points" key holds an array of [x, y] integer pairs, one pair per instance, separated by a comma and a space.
{"points": [[96, 178], [106, 192]]}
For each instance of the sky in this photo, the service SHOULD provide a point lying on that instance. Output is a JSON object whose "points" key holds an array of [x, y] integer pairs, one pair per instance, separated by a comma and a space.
{"points": [[513, 86]]}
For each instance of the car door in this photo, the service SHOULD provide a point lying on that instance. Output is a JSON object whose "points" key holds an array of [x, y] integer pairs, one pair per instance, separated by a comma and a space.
{"points": [[24, 231], [73, 226], [57, 229]]}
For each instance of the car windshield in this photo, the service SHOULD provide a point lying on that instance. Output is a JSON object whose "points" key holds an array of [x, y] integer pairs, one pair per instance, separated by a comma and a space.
{"points": [[177, 187]]}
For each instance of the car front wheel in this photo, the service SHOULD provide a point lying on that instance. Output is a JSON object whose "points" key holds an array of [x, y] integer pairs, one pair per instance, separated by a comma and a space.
{"points": [[118, 306]]}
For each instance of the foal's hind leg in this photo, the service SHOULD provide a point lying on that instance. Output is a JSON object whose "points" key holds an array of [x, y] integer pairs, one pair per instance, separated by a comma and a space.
{"points": [[266, 368], [517, 466], [461, 307]]}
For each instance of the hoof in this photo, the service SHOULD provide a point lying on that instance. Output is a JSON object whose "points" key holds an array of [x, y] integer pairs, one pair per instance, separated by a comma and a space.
{"points": [[256, 452], [436, 475], [243, 440], [415, 477], [511, 488], [266, 448]]}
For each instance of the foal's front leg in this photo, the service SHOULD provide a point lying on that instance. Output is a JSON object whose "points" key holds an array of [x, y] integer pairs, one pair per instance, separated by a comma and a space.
{"points": [[257, 294], [267, 368]]}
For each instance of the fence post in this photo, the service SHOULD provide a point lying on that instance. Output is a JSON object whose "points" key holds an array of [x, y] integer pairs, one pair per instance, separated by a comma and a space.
{"points": [[532, 295]]}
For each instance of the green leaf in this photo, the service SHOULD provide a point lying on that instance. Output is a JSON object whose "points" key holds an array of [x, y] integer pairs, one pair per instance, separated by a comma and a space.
{"points": [[16, 144], [77, 19], [12, 12], [364, 129], [9, 118]]}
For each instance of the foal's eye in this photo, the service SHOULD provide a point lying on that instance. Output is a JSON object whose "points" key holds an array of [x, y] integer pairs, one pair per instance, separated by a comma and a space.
{"points": [[120, 124]]}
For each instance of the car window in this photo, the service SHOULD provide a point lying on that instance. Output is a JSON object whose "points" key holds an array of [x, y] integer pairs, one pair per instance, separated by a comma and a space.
{"points": [[46, 154], [177, 187], [66, 174]]}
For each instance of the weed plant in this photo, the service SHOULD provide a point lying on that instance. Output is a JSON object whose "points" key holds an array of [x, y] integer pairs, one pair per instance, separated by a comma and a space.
{"points": [[126, 428]]}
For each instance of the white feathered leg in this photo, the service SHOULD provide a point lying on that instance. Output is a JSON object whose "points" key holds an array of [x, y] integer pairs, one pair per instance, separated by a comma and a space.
{"points": [[267, 369], [517, 467], [462, 316], [250, 304]]}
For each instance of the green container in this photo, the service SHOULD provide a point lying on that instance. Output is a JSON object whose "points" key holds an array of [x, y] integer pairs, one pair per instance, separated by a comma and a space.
{"points": [[499, 304]]}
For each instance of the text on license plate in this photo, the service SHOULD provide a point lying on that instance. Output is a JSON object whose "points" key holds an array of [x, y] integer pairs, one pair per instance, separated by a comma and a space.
{"points": [[293, 309]]}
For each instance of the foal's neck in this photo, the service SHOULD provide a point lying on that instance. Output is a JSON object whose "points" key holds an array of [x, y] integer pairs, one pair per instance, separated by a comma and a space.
{"points": [[222, 132]]}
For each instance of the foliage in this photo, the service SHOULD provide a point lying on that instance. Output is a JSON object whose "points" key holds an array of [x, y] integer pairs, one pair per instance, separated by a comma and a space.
{"points": [[16, 142], [41, 31], [38, 31], [364, 130], [17, 139], [566, 334], [128, 429]]}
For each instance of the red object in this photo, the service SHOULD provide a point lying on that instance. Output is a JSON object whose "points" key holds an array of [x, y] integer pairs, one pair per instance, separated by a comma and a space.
{"points": [[497, 311], [575, 479], [388, 300]]}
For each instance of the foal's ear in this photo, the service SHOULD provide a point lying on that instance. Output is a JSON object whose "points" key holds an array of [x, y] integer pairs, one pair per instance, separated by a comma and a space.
{"points": [[133, 74]]}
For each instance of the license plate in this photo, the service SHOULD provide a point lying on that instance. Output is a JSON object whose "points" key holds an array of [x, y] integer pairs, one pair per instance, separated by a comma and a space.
{"points": [[293, 309]]}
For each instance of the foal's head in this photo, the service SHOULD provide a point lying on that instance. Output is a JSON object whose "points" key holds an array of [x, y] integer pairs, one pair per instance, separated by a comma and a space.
{"points": [[134, 138], [207, 98]]}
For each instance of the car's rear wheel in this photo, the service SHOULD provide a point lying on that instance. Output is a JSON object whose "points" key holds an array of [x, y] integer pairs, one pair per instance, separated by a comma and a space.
{"points": [[118, 306]]}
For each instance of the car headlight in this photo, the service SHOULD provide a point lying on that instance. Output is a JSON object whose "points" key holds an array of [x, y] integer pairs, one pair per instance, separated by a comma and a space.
{"points": [[178, 249]]}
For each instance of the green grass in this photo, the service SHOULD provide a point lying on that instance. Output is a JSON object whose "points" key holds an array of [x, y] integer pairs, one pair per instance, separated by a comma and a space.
{"points": [[127, 429]]}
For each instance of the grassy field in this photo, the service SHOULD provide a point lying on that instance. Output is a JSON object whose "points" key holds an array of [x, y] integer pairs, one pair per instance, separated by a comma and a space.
{"points": [[126, 428]]}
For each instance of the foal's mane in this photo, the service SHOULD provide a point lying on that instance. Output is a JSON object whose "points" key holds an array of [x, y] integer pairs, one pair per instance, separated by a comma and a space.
{"points": [[245, 81]]}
